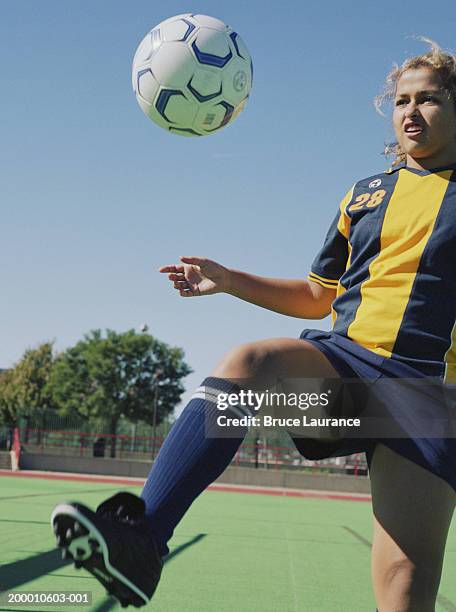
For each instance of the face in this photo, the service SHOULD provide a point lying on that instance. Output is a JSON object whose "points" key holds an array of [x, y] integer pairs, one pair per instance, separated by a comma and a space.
{"points": [[424, 120]]}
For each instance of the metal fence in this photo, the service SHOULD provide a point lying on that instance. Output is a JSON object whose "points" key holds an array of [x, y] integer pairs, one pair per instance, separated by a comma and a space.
{"points": [[252, 453]]}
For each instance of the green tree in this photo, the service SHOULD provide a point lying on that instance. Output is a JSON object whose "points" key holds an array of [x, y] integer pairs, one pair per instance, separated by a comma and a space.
{"points": [[24, 388], [31, 376], [119, 374], [8, 400]]}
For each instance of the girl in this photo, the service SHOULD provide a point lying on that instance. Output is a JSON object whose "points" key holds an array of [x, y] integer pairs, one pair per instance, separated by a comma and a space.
{"points": [[386, 272]]}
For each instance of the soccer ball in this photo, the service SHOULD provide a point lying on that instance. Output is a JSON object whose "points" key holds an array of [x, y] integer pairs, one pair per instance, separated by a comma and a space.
{"points": [[192, 75]]}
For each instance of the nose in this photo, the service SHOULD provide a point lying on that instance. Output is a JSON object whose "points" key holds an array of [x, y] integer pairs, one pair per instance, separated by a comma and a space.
{"points": [[411, 109]]}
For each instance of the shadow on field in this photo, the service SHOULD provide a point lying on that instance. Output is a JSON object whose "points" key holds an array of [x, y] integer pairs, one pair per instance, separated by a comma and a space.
{"points": [[15, 574], [182, 547], [19, 572]]}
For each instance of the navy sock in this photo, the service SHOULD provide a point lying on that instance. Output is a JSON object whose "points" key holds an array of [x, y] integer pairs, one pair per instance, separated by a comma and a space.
{"points": [[190, 459]]}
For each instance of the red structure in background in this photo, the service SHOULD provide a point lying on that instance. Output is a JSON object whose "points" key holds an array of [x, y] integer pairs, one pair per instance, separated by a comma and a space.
{"points": [[258, 454]]}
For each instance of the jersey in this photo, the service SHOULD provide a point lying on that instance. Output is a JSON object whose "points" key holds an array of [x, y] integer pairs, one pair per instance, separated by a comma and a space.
{"points": [[390, 253]]}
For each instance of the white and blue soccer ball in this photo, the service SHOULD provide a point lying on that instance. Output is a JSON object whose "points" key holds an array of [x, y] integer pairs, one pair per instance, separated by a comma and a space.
{"points": [[192, 75]]}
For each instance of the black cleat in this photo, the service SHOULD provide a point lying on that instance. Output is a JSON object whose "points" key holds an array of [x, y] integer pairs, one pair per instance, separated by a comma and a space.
{"points": [[112, 544]]}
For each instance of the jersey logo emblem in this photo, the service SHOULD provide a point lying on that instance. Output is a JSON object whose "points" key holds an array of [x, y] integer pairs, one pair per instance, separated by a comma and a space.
{"points": [[375, 183]]}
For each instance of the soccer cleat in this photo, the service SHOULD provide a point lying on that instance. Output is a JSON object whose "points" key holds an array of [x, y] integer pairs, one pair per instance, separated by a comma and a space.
{"points": [[112, 544]]}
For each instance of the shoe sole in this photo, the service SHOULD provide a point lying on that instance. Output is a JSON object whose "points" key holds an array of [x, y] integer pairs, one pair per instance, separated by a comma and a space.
{"points": [[85, 544]]}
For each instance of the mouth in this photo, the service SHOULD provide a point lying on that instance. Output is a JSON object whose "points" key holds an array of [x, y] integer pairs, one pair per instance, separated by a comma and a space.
{"points": [[413, 130]]}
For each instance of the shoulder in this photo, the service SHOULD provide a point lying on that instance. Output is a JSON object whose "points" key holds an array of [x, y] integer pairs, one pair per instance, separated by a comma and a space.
{"points": [[376, 181], [367, 190]]}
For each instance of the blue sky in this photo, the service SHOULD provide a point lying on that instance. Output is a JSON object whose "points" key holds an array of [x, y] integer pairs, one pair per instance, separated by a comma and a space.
{"points": [[95, 197]]}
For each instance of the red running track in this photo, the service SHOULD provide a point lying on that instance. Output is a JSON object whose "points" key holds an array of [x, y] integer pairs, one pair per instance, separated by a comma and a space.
{"points": [[135, 482]]}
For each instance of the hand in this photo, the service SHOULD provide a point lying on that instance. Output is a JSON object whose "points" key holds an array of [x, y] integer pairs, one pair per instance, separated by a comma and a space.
{"points": [[197, 276]]}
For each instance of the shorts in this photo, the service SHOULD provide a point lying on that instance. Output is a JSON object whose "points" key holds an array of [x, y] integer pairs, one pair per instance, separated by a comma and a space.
{"points": [[352, 361]]}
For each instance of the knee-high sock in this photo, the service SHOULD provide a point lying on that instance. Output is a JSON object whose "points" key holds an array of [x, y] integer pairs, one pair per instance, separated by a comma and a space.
{"points": [[190, 459]]}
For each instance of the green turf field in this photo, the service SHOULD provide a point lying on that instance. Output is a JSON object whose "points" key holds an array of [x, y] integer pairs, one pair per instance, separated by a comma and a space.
{"points": [[232, 552]]}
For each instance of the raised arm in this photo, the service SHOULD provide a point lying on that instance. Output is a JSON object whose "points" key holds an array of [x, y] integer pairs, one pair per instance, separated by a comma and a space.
{"points": [[197, 276]]}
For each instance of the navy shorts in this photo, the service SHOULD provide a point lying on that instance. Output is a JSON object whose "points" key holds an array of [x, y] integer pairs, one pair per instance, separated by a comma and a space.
{"points": [[352, 361]]}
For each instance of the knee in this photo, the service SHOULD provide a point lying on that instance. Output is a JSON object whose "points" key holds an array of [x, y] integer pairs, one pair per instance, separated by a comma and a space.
{"points": [[399, 575], [405, 587], [246, 361]]}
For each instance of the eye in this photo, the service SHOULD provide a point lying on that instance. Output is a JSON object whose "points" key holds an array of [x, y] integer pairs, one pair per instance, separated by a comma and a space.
{"points": [[432, 99], [400, 102]]}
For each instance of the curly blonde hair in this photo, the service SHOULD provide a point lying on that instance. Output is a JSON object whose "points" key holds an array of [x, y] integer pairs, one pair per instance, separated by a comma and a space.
{"points": [[443, 62]]}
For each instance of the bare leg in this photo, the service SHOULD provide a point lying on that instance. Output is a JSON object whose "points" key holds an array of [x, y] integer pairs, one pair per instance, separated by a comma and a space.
{"points": [[265, 361], [412, 514]]}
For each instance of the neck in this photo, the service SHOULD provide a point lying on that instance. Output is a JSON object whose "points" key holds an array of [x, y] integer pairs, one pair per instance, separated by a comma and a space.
{"points": [[428, 163]]}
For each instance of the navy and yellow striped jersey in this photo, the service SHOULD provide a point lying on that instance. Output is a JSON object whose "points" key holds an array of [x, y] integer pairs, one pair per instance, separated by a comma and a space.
{"points": [[391, 254]]}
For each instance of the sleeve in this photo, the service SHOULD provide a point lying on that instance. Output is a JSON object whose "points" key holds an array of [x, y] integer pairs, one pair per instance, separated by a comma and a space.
{"points": [[331, 261]]}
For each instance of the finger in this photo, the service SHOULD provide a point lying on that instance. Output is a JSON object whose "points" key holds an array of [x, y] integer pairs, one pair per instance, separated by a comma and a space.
{"points": [[178, 269], [176, 277], [196, 261], [186, 293], [181, 285]]}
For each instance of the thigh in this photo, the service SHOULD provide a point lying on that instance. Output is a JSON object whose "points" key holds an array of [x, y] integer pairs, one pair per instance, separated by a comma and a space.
{"points": [[267, 360], [412, 513], [290, 368]]}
